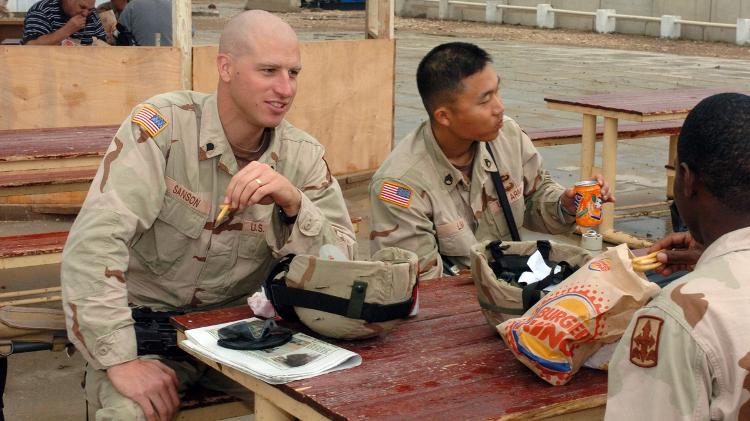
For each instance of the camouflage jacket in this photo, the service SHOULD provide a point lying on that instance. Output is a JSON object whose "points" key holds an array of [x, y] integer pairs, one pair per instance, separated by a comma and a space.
{"points": [[147, 232], [421, 202], [686, 355]]}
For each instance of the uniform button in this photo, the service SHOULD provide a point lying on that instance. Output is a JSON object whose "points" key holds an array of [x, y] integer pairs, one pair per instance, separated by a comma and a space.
{"points": [[487, 163], [448, 179], [209, 146], [103, 350], [308, 225]]}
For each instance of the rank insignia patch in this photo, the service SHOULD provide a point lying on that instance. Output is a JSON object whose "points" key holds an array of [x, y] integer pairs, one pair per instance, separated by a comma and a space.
{"points": [[395, 193], [644, 345], [150, 120]]}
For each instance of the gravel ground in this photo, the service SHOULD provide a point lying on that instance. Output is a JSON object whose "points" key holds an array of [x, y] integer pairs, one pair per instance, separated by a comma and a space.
{"points": [[312, 20]]}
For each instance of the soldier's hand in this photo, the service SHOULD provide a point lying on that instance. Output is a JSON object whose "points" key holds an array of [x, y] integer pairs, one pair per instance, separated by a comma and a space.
{"points": [[679, 252], [259, 183], [149, 383], [568, 197], [76, 23]]}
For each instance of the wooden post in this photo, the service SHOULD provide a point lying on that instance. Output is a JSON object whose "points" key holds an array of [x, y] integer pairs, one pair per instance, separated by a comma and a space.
{"points": [[609, 165], [379, 19], [588, 145], [182, 38]]}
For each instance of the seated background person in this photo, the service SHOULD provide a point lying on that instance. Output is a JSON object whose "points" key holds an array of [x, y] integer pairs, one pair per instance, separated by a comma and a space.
{"points": [[434, 194], [50, 22], [686, 355], [144, 18]]}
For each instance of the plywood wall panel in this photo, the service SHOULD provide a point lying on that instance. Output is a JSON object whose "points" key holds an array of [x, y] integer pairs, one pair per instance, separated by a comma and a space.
{"points": [[344, 98], [47, 87]]}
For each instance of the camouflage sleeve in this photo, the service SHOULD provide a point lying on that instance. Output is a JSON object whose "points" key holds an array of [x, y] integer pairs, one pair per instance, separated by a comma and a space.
{"points": [[407, 225], [541, 194], [658, 362], [323, 226], [95, 257]]}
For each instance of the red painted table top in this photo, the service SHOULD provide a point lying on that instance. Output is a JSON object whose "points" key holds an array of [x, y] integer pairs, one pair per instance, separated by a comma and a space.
{"points": [[18, 145], [642, 103], [445, 364]]}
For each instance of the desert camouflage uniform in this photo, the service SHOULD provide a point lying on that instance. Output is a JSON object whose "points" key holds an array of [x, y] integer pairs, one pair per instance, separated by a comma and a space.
{"points": [[446, 214], [4, 13], [147, 232], [686, 355]]}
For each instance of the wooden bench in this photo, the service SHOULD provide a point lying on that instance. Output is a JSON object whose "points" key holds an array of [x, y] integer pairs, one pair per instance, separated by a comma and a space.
{"points": [[627, 131], [572, 135], [32, 249]]}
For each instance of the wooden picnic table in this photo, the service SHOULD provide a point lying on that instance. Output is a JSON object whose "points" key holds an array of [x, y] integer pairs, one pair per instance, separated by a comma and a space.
{"points": [[445, 364], [640, 106]]}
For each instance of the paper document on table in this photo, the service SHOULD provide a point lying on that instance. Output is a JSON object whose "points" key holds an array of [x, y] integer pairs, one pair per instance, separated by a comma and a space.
{"points": [[302, 357]]}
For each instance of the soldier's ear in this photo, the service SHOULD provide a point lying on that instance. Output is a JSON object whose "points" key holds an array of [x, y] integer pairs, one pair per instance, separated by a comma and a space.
{"points": [[441, 115], [688, 181], [224, 66]]}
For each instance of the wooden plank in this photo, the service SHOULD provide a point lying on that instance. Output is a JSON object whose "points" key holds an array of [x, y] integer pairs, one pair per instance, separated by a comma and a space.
{"points": [[47, 86], [344, 98], [445, 364]]}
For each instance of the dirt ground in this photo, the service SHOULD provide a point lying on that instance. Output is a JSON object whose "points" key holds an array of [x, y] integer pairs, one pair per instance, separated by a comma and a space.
{"points": [[310, 20]]}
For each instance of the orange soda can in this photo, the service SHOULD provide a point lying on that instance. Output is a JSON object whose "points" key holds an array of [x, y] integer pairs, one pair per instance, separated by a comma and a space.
{"points": [[588, 200]]}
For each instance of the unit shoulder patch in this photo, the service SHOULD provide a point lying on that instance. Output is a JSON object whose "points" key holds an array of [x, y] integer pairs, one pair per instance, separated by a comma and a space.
{"points": [[395, 193], [150, 120], [644, 344]]}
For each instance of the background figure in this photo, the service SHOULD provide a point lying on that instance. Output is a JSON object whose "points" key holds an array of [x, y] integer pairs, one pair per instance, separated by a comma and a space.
{"points": [[145, 18], [50, 22]]}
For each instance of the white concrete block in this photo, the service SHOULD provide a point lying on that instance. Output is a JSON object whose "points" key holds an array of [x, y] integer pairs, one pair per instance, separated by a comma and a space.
{"points": [[743, 31], [443, 9], [492, 13], [669, 26], [545, 17], [605, 21]]}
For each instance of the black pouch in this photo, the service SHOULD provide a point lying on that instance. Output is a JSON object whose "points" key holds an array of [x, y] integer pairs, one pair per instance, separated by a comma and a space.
{"points": [[509, 267], [154, 334]]}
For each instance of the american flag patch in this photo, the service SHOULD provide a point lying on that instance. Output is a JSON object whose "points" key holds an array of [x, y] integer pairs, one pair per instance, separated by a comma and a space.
{"points": [[150, 120], [396, 194]]}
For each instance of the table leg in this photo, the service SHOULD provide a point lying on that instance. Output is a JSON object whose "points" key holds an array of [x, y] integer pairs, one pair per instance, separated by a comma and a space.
{"points": [[265, 410], [588, 145], [609, 168], [671, 160]]}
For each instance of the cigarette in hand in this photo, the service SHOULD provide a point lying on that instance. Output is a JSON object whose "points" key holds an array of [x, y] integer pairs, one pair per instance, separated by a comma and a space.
{"points": [[224, 209], [647, 262]]}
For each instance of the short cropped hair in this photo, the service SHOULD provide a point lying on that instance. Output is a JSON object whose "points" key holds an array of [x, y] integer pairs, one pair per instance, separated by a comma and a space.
{"points": [[715, 143], [442, 70]]}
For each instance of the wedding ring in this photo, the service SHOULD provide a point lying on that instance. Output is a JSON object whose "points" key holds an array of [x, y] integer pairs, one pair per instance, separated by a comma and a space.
{"points": [[257, 180]]}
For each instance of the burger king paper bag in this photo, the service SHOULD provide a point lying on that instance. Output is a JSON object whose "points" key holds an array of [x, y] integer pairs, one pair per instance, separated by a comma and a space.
{"points": [[589, 309]]}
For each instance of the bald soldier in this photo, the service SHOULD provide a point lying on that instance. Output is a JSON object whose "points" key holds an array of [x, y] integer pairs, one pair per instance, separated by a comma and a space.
{"points": [[149, 234], [434, 194], [686, 355]]}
